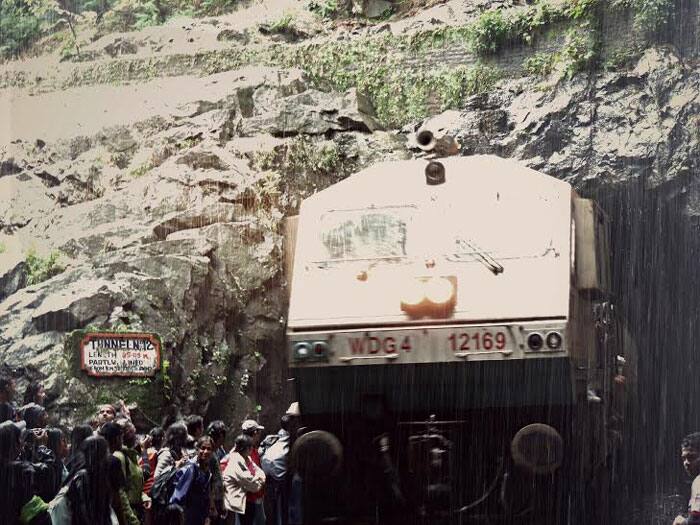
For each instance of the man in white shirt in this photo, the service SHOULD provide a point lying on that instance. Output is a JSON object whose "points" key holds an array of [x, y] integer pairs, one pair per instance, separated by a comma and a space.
{"points": [[274, 452]]}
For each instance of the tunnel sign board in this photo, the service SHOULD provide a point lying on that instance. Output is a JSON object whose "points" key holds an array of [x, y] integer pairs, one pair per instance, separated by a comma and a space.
{"points": [[106, 354]]}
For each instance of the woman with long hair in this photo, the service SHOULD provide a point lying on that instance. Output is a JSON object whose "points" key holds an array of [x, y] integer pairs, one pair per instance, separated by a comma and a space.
{"points": [[76, 460], [193, 484], [35, 416], [34, 393], [241, 476], [48, 454], [152, 443], [17, 482], [171, 455], [89, 492], [58, 444]]}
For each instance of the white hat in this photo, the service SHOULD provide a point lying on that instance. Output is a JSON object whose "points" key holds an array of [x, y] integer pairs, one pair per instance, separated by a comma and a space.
{"points": [[251, 424], [293, 410]]}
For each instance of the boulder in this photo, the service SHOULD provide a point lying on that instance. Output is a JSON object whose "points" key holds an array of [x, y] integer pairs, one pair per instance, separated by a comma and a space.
{"points": [[371, 8], [24, 200], [315, 113]]}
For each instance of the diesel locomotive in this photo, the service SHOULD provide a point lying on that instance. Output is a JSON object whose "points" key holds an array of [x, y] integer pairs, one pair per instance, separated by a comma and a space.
{"points": [[453, 346]]}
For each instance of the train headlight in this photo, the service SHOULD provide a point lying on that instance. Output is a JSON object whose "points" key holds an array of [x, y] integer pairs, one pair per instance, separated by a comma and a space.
{"points": [[553, 340], [535, 341], [414, 294], [429, 297], [439, 290]]}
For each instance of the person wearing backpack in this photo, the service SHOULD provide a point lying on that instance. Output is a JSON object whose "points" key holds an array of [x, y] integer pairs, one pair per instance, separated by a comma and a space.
{"points": [[169, 459], [274, 460], [112, 432], [193, 484], [87, 492], [150, 446], [16, 480], [128, 456], [172, 454], [217, 431]]}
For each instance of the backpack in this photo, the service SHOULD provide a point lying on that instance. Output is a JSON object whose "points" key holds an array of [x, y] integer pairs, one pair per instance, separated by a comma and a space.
{"points": [[163, 487], [59, 508], [267, 443], [132, 475], [274, 458]]}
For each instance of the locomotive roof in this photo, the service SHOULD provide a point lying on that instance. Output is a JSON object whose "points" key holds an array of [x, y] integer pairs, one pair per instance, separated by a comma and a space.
{"points": [[393, 180]]}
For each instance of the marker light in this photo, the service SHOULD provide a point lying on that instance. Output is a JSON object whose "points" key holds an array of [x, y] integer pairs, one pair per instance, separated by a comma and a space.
{"points": [[553, 340], [535, 341], [310, 351], [320, 348], [302, 350]]}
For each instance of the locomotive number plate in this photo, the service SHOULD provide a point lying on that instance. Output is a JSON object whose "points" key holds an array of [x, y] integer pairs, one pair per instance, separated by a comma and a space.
{"points": [[478, 340], [419, 345]]}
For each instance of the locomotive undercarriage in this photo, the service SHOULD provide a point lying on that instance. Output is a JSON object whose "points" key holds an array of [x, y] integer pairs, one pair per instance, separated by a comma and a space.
{"points": [[435, 471], [449, 459]]}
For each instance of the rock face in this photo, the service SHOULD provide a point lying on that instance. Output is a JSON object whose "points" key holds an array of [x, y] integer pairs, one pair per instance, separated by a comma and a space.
{"points": [[170, 225]]}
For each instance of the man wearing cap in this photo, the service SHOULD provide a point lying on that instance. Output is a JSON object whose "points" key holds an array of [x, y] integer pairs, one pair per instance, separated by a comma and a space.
{"points": [[251, 428]]}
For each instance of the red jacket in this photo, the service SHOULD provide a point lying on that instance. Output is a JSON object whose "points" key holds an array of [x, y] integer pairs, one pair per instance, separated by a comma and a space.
{"points": [[255, 457]]}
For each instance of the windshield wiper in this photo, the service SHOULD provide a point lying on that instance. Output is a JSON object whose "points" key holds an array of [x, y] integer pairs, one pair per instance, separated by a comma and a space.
{"points": [[483, 257]]}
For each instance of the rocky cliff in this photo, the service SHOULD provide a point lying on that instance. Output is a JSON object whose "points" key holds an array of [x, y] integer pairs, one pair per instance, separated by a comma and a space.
{"points": [[146, 174]]}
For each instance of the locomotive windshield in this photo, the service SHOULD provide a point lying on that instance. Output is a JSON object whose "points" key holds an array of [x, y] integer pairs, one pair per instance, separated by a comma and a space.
{"points": [[459, 234], [373, 233]]}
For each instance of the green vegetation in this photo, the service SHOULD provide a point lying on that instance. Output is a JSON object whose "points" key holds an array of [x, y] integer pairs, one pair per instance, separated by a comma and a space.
{"points": [[305, 156], [375, 67], [2, 247], [580, 51], [19, 27], [581, 9], [301, 156], [304, 162], [494, 29], [620, 58], [166, 380], [651, 16], [40, 269], [490, 32], [215, 7], [133, 14], [285, 23], [141, 170], [189, 142], [323, 8], [98, 6], [540, 64]]}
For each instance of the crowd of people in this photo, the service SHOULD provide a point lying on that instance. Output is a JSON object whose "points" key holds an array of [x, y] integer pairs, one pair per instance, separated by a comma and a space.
{"points": [[103, 472]]}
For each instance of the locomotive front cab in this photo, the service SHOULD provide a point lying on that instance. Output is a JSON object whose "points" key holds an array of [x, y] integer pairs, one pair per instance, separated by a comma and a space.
{"points": [[431, 328]]}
